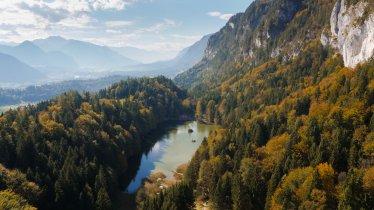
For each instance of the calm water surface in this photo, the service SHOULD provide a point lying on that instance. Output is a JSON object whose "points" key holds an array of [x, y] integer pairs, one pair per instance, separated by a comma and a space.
{"points": [[172, 148]]}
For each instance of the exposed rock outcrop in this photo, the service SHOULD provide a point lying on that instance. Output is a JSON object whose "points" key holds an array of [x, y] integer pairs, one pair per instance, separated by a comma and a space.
{"points": [[352, 31], [268, 29]]}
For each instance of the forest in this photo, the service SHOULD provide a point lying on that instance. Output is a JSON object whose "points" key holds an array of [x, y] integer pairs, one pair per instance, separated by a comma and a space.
{"points": [[304, 129], [298, 135], [72, 152], [298, 126]]}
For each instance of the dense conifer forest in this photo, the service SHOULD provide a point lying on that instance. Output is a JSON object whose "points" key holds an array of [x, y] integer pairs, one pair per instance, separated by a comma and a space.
{"points": [[296, 136], [72, 152], [297, 124]]}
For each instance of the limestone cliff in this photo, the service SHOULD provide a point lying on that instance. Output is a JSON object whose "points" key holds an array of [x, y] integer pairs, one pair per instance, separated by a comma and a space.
{"points": [[352, 31]]}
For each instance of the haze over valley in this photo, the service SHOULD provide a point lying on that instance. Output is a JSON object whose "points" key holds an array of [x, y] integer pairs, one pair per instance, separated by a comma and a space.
{"points": [[57, 59]]}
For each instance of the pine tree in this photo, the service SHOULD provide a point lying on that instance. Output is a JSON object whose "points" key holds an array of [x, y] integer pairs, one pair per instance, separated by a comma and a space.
{"points": [[103, 201]]}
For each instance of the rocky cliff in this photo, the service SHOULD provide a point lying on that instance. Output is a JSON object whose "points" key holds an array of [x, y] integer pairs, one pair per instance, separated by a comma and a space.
{"points": [[281, 29], [352, 31], [267, 29]]}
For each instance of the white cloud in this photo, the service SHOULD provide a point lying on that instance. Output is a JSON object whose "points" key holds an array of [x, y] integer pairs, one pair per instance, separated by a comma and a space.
{"points": [[110, 4], [214, 14], [75, 19], [81, 21], [115, 24], [85, 5], [220, 15], [158, 27], [111, 31], [26, 19], [11, 15]]}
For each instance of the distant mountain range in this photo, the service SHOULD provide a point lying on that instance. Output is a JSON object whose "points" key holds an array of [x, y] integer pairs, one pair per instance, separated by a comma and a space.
{"points": [[57, 57], [47, 62], [62, 59], [24, 73], [86, 54]]}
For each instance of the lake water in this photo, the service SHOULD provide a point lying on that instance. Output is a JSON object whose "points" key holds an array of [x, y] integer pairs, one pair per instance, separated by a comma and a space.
{"points": [[172, 148]]}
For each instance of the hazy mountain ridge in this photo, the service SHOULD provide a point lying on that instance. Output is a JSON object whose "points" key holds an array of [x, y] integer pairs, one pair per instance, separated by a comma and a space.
{"points": [[64, 59], [13, 70], [86, 54], [47, 62]]}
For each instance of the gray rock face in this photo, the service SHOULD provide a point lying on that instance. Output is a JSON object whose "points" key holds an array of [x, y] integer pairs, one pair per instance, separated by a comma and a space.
{"points": [[350, 34]]}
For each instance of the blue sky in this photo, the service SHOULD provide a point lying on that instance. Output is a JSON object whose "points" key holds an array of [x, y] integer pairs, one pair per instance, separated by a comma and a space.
{"points": [[159, 25]]}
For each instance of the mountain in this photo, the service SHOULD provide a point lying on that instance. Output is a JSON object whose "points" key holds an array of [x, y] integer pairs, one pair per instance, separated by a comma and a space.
{"points": [[8, 43], [32, 54], [265, 30], [185, 59], [52, 43], [270, 29], [191, 55], [47, 62], [352, 31], [86, 54], [14, 71]]}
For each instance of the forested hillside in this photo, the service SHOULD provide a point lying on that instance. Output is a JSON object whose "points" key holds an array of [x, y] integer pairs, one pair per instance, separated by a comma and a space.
{"points": [[72, 152], [298, 125], [267, 29]]}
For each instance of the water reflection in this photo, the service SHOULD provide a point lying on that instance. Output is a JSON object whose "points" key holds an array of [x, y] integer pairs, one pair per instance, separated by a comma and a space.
{"points": [[168, 148]]}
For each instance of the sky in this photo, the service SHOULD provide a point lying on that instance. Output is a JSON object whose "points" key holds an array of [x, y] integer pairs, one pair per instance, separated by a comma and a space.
{"points": [[155, 25]]}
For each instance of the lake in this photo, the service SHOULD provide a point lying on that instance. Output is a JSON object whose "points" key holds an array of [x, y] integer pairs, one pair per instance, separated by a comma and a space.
{"points": [[173, 147]]}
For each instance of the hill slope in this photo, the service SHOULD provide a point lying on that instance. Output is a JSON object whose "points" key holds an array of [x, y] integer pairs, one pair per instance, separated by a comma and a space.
{"points": [[48, 62], [267, 29], [86, 54], [14, 71]]}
